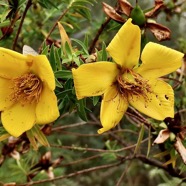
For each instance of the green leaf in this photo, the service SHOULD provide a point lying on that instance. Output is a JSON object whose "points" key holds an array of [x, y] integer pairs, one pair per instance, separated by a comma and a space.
{"points": [[47, 4], [84, 1], [82, 45], [104, 52], [58, 58], [5, 23], [4, 136], [39, 135], [95, 100], [52, 58], [68, 51], [58, 84], [149, 142], [99, 55], [45, 50], [140, 137], [32, 139], [81, 109], [63, 74], [62, 94], [34, 134]]}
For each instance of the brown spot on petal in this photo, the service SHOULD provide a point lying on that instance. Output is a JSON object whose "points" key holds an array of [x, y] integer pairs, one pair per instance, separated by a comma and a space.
{"points": [[29, 63]]}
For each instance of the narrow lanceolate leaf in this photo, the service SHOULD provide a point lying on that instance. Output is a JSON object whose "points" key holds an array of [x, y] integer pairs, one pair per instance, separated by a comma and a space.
{"points": [[81, 109], [34, 135], [84, 47], [64, 36], [4, 136], [149, 141], [5, 23], [63, 74], [32, 139], [52, 58], [111, 12], [96, 100], [140, 137], [40, 136], [104, 52], [161, 154]]}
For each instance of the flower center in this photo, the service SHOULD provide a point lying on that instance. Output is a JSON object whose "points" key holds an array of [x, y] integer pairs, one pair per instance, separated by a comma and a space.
{"points": [[26, 88], [131, 83]]}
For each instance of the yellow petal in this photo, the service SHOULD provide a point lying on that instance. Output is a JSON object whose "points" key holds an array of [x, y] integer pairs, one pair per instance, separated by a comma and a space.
{"points": [[12, 64], [125, 46], [5, 92], [113, 107], [18, 118], [47, 109], [160, 104], [158, 60], [41, 67], [92, 79]]}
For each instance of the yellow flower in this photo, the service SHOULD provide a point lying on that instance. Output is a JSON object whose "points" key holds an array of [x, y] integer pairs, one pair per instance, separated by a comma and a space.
{"points": [[27, 95], [126, 81]]}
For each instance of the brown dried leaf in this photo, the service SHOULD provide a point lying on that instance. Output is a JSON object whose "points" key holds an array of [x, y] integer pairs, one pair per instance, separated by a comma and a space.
{"points": [[180, 148], [111, 12], [126, 7], [160, 32], [162, 136], [152, 13], [64, 36]]}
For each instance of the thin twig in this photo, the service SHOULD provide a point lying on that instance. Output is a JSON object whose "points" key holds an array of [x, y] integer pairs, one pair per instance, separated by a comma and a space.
{"points": [[156, 163], [81, 160], [73, 174], [29, 3], [141, 157], [123, 174], [55, 24], [93, 135], [91, 48], [73, 125], [94, 149]]}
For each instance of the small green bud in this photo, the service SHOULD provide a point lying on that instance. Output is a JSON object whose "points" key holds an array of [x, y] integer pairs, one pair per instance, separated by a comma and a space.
{"points": [[137, 15]]}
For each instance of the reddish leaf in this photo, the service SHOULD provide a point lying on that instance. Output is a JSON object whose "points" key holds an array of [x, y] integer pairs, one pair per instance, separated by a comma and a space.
{"points": [[160, 32], [162, 136], [180, 149], [158, 5], [126, 7], [111, 12]]}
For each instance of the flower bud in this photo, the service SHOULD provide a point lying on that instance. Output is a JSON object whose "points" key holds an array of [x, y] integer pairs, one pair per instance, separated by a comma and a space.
{"points": [[137, 15]]}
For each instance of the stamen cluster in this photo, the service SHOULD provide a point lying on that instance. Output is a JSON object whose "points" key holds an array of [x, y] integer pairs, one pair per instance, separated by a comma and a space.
{"points": [[26, 88], [131, 83]]}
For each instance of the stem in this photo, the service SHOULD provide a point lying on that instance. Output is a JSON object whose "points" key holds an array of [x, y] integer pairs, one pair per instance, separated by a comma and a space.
{"points": [[29, 3], [55, 24], [73, 174], [91, 48]]}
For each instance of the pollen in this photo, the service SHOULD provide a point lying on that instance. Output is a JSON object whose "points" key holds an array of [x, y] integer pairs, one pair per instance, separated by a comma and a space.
{"points": [[26, 88], [131, 83]]}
